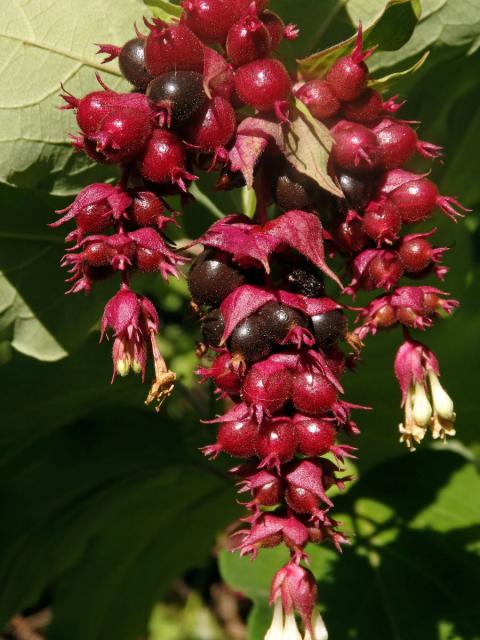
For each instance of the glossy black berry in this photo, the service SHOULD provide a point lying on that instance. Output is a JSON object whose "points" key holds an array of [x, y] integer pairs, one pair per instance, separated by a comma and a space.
{"points": [[291, 189], [302, 277], [250, 340], [132, 63], [212, 327], [181, 92], [279, 319], [357, 190], [212, 278], [329, 328]]}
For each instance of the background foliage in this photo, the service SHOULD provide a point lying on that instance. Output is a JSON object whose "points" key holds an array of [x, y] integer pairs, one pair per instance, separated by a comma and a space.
{"points": [[103, 503]]}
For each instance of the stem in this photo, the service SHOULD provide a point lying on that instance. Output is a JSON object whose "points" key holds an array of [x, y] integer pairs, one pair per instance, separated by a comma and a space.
{"points": [[259, 187]]}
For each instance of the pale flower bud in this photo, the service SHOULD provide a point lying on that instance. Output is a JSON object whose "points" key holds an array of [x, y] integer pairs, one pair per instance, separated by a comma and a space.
{"points": [[123, 366], [442, 403], [275, 631], [422, 409], [290, 631]]}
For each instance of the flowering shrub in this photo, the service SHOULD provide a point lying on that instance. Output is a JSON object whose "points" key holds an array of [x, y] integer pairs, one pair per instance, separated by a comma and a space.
{"points": [[325, 256]]}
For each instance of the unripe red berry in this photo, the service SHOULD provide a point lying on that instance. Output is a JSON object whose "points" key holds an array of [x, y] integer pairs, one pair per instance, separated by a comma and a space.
{"points": [[94, 218], [211, 20], [415, 200], [384, 271], [172, 47], [397, 143], [415, 254], [122, 134], [164, 157], [146, 209], [270, 494], [348, 78], [275, 26], [350, 235], [315, 437], [368, 108], [248, 40], [276, 442], [267, 387], [385, 317], [355, 148], [312, 393], [98, 254], [238, 438], [223, 376], [93, 108], [301, 500], [382, 221], [263, 84], [213, 127], [320, 98]]}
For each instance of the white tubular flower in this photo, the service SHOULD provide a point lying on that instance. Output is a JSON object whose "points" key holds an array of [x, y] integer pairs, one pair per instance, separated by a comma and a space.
{"points": [[411, 433], [442, 403], [275, 632], [422, 409], [290, 630], [319, 629]]}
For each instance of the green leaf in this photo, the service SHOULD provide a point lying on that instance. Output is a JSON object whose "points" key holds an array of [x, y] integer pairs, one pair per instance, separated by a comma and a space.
{"points": [[389, 30], [307, 147], [39, 320], [414, 532], [385, 83], [164, 9], [42, 45], [117, 497]]}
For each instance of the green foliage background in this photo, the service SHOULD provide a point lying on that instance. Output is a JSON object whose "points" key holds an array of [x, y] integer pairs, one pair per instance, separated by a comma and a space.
{"points": [[103, 503]]}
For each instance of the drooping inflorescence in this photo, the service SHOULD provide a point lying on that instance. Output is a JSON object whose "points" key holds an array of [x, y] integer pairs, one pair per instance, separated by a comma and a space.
{"points": [[210, 95]]}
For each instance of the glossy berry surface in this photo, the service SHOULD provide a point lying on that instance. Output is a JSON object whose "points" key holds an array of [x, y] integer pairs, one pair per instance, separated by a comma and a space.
{"points": [[302, 277], [250, 339], [238, 438], [213, 127], [275, 26], [146, 209], [384, 272], [291, 189], [123, 133], [172, 48], [382, 221], [415, 254], [247, 40], [312, 393], [212, 278], [211, 20], [397, 142], [277, 442], [329, 328], [348, 78], [268, 389], [212, 327], [179, 92], [262, 84], [279, 319], [93, 108], [415, 200], [366, 109], [223, 376], [357, 191], [314, 436], [94, 218], [163, 157], [132, 63], [319, 97], [350, 236], [355, 148]]}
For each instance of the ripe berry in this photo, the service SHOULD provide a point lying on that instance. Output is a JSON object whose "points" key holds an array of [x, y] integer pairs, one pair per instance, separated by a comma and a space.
{"points": [[320, 98], [122, 134], [263, 84], [132, 63], [314, 437], [179, 92], [250, 340], [415, 254], [292, 189], [94, 218], [350, 236], [302, 277], [164, 158], [212, 278], [368, 108], [146, 209], [329, 328], [238, 438], [276, 443], [247, 40], [267, 387], [213, 327], [312, 393], [172, 47], [382, 221], [279, 319], [357, 191], [355, 148], [213, 127]]}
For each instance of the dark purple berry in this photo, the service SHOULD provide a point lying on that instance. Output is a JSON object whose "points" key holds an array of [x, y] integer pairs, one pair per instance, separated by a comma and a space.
{"points": [[132, 63], [250, 339], [180, 93], [213, 327], [329, 328], [357, 191], [212, 278], [279, 319]]}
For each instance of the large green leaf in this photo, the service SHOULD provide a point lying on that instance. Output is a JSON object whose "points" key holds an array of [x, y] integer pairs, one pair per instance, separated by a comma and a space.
{"points": [[413, 569], [116, 498], [35, 315], [388, 30], [43, 44]]}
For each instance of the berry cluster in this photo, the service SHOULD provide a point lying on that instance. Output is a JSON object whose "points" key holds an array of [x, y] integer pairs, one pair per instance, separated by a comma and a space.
{"points": [[208, 94]]}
